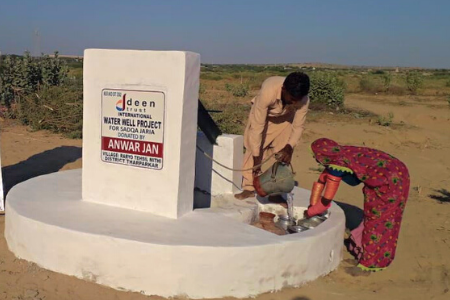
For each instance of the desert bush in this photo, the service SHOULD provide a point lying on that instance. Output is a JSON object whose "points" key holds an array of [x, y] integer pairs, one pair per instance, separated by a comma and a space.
{"points": [[414, 81], [201, 89], [327, 90], [54, 71], [211, 76], [379, 72], [27, 74], [55, 108], [387, 79], [39, 93], [447, 84], [237, 90], [371, 84], [231, 118], [255, 82], [385, 120], [397, 90], [7, 81]]}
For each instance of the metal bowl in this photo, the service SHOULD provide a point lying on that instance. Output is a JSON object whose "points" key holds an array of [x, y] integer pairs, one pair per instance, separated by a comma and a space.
{"points": [[311, 222], [285, 218], [325, 215], [296, 228], [322, 218], [284, 221]]}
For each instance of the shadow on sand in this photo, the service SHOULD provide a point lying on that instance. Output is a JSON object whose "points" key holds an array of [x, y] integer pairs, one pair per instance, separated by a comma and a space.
{"points": [[353, 215], [49, 161], [443, 196]]}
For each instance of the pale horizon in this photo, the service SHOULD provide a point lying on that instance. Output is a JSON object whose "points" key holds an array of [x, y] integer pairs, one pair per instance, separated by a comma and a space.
{"points": [[349, 33]]}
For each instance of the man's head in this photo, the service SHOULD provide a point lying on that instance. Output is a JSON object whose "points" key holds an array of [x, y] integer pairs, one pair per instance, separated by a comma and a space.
{"points": [[295, 87]]}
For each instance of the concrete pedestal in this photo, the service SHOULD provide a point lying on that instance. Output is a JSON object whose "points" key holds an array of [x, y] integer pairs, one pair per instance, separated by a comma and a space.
{"points": [[207, 253], [210, 176], [139, 127]]}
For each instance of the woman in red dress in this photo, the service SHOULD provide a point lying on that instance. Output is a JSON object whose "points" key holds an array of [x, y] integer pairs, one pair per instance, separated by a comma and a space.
{"points": [[386, 188]]}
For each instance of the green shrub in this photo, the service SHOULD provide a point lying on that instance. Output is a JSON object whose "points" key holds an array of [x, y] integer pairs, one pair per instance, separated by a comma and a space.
{"points": [[447, 84], [238, 90], [27, 74], [414, 81], [379, 72], [54, 71], [55, 108], [387, 79], [40, 94], [211, 76], [385, 121], [232, 118], [7, 78], [371, 84], [397, 90], [327, 90], [201, 89]]}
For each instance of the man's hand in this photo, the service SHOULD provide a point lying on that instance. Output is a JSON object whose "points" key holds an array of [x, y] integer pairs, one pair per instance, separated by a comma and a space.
{"points": [[256, 172], [257, 162], [285, 155]]}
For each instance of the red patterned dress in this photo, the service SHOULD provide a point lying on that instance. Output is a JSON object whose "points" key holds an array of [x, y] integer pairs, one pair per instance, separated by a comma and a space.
{"points": [[386, 188]]}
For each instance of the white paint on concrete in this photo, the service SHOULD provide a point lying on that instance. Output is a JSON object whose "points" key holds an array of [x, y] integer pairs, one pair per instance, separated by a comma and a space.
{"points": [[213, 178], [264, 204], [166, 192], [207, 253]]}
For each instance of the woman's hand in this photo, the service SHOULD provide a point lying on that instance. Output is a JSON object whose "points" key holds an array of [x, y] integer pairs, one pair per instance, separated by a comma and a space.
{"points": [[318, 208]]}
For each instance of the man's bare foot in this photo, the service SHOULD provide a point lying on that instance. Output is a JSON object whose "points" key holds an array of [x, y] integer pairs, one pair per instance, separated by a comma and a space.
{"points": [[244, 195]]}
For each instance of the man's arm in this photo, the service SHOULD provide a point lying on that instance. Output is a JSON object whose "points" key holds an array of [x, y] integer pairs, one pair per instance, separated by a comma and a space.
{"points": [[258, 119], [298, 125]]}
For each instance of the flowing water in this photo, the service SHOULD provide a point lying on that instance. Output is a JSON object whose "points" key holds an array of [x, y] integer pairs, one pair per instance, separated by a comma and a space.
{"points": [[290, 205]]}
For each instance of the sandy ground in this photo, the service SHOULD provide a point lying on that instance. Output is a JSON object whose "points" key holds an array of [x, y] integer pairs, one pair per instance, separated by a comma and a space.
{"points": [[420, 137]]}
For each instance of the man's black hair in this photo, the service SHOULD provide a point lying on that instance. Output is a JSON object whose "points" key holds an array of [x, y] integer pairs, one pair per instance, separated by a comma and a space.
{"points": [[297, 84]]}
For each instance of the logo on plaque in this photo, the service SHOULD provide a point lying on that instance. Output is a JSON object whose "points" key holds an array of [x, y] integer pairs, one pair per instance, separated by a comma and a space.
{"points": [[133, 128]]}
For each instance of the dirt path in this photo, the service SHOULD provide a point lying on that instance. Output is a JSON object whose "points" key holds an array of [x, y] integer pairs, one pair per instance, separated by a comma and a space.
{"points": [[422, 266]]}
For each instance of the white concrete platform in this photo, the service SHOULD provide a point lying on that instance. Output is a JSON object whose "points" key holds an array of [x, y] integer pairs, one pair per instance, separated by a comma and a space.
{"points": [[207, 253]]}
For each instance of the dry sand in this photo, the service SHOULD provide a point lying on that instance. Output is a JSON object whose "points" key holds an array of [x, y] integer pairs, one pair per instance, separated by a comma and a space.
{"points": [[420, 138]]}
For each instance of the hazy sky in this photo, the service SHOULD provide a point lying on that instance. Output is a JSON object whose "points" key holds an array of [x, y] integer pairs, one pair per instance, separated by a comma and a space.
{"points": [[357, 32]]}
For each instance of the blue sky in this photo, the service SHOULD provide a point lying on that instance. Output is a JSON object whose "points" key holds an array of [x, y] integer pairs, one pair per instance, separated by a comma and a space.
{"points": [[382, 33]]}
